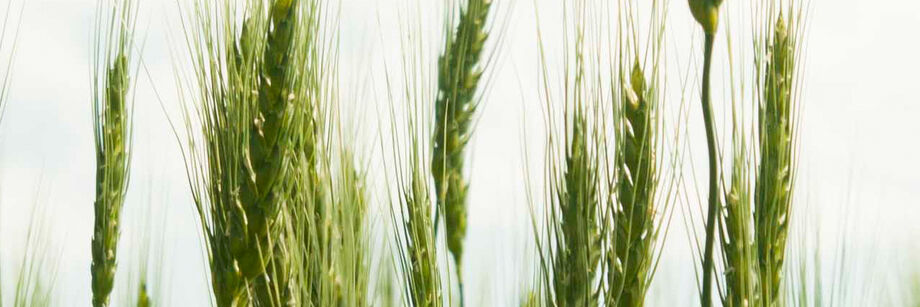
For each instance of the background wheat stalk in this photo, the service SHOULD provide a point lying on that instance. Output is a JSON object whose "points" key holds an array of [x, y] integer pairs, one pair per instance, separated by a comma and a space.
{"points": [[741, 271], [112, 131], [458, 78], [412, 212]]}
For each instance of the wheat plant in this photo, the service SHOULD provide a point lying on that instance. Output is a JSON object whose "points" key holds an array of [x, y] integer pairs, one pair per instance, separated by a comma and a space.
{"points": [[459, 72], [736, 230], [112, 131], [706, 13], [570, 250], [638, 203], [412, 212], [778, 79], [249, 85]]}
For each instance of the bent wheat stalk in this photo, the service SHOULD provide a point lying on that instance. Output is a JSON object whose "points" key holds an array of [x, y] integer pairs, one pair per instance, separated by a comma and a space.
{"points": [[112, 131], [706, 13]]}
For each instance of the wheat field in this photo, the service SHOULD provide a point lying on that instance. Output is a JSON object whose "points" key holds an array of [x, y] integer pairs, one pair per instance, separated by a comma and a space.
{"points": [[459, 153]]}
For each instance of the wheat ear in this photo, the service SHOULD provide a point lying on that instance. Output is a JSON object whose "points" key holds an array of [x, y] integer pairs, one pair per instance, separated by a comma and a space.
{"points": [[572, 250], [242, 176], [458, 78], [741, 270], [634, 216], [112, 131], [773, 190]]}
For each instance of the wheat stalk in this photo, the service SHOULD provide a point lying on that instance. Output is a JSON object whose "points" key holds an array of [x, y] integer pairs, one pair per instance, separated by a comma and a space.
{"points": [[458, 78], [633, 237], [741, 271], [251, 110], [573, 215], [412, 213], [775, 173], [112, 131], [706, 13], [634, 216], [351, 207]]}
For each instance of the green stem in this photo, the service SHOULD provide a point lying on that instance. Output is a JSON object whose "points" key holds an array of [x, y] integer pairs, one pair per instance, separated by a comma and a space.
{"points": [[705, 297]]}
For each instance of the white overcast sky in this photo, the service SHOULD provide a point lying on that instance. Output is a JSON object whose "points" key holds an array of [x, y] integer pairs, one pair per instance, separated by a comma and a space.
{"points": [[859, 136]]}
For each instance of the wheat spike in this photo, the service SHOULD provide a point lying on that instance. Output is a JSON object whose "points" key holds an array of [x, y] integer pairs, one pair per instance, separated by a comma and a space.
{"points": [[458, 78], [773, 191], [112, 131], [634, 216]]}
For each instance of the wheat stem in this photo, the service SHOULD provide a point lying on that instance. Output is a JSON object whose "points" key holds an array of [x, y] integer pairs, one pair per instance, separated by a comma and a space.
{"points": [[706, 298]]}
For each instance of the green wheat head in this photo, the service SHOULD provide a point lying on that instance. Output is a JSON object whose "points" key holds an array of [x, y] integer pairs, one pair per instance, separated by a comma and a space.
{"points": [[112, 130], [738, 250], [252, 79], [634, 214], [773, 189], [578, 237], [572, 251], [459, 72]]}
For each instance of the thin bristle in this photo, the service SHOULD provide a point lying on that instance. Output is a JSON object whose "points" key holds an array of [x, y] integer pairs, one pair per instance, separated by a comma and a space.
{"points": [[112, 122]]}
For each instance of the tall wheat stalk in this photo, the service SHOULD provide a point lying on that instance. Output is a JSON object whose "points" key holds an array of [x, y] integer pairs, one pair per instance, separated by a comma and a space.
{"points": [[112, 131], [459, 72], [571, 249], [631, 253], [777, 92], [251, 81], [706, 13]]}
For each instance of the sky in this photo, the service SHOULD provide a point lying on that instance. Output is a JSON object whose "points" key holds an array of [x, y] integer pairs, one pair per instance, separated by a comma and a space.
{"points": [[858, 172]]}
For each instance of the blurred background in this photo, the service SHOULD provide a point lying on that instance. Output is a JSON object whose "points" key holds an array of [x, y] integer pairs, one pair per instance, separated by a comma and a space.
{"points": [[858, 184]]}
